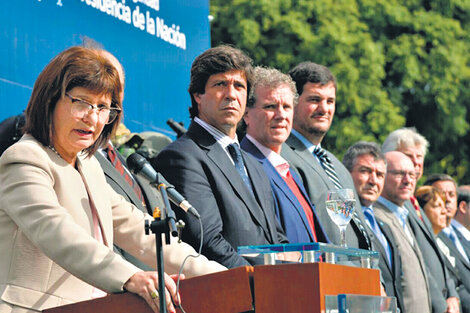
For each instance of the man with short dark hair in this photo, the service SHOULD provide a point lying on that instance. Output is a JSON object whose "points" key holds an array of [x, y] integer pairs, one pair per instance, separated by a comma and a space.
{"points": [[461, 221], [368, 167], [455, 250], [319, 169], [227, 186], [268, 121], [448, 187]]}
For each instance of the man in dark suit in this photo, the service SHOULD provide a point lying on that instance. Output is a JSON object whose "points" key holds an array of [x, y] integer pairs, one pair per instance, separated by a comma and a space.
{"points": [[320, 170], [461, 221], [227, 186], [268, 121], [454, 250], [442, 289], [366, 164]]}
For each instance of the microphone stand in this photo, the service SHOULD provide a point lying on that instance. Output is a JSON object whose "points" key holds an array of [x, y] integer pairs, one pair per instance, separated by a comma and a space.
{"points": [[165, 224]]}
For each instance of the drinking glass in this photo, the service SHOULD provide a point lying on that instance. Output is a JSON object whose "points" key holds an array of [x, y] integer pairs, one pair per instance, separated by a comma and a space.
{"points": [[340, 205]]}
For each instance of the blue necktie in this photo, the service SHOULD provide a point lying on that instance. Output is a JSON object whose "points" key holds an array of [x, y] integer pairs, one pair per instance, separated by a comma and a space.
{"points": [[453, 236], [236, 155], [369, 215]]}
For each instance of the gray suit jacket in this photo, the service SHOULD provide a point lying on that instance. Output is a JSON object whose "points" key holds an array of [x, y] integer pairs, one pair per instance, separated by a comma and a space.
{"points": [[441, 285], [458, 269], [317, 184], [414, 278]]}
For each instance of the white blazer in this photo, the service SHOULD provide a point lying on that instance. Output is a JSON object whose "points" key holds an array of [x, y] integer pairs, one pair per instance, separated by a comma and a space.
{"points": [[48, 254]]}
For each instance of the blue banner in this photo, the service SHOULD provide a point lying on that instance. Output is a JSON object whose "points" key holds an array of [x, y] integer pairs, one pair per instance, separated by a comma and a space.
{"points": [[155, 40]]}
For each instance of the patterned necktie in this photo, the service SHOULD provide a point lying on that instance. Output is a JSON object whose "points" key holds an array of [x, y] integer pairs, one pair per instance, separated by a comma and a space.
{"points": [[118, 165], [236, 155], [415, 204], [369, 215], [327, 166], [331, 173]]}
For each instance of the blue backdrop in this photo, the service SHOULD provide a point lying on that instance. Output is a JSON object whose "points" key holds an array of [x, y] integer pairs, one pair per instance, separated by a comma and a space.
{"points": [[155, 40]]}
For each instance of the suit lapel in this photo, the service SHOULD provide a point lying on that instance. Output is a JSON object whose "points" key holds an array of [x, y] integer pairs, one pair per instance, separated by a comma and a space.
{"points": [[220, 159], [103, 210], [300, 149], [453, 249], [111, 173], [391, 242], [277, 180]]}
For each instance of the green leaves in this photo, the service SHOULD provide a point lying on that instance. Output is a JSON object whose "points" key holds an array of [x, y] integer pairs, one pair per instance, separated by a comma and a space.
{"points": [[397, 63]]}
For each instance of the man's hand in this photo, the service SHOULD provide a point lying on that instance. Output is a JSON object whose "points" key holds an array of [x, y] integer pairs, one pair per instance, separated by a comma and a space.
{"points": [[453, 305]]}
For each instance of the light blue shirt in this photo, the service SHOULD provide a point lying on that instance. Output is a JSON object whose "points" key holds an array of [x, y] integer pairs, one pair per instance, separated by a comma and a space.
{"points": [[450, 232], [401, 214], [310, 146]]}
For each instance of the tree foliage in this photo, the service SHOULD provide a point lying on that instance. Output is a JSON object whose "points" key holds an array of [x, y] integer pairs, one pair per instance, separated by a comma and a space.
{"points": [[398, 63]]}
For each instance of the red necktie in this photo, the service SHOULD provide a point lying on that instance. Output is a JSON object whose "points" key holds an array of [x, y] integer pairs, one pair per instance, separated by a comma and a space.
{"points": [[415, 204], [307, 209], [114, 158]]}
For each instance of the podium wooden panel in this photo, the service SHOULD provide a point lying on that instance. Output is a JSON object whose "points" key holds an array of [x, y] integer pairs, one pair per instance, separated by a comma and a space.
{"points": [[302, 287], [223, 292]]}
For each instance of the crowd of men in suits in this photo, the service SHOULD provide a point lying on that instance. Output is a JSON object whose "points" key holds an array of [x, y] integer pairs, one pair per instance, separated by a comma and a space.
{"points": [[252, 164]]}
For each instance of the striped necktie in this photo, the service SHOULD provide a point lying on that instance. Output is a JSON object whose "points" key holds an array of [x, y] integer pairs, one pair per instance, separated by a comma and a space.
{"points": [[327, 165]]}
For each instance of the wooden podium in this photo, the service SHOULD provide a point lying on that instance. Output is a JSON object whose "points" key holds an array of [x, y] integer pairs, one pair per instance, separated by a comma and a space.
{"points": [[302, 287], [276, 288]]}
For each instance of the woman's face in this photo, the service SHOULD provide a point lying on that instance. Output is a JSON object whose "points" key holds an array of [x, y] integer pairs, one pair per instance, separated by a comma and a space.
{"points": [[71, 133], [436, 212]]}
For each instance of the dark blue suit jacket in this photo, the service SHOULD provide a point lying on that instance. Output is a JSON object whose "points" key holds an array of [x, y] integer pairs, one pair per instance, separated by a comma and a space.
{"points": [[289, 211]]}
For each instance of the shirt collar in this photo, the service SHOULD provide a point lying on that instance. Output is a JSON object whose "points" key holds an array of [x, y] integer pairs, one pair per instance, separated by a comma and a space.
{"points": [[310, 146], [276, 160], [219, 136], [462, 229], [397, 210]]}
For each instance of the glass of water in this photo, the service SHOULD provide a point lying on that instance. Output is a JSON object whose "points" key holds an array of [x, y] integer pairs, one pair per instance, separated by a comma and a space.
{"points": [[340, 205]]}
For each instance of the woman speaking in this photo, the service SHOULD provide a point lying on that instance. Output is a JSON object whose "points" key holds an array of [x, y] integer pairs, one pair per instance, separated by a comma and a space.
{"points": [[58, 216]]}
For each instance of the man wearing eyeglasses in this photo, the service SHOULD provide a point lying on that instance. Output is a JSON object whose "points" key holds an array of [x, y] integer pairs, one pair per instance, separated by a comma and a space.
{"points": [[398, 187], [444, 297]]}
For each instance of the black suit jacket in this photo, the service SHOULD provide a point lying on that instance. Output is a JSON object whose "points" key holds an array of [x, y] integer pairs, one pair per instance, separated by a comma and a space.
{"points": [[152, 198], [441, 285], [458, 268], [317, 183], [231, 214], [119, 184], [391, 276]]}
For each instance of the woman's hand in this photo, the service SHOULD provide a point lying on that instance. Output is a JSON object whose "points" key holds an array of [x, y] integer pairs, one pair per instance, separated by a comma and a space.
{"points": [[145, 284]]}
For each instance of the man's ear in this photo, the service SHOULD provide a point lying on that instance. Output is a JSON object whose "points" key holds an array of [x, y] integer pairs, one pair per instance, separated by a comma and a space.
{"points": [[462, 207], [197, 97]]}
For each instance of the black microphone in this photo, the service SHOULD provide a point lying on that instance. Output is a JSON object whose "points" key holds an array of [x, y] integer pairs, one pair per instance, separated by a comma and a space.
{"points": [[139, 165], [178, 128]]}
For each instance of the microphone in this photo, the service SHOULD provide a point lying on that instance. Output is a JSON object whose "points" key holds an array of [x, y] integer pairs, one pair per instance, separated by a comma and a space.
{"points": [[138, 164], [178, 128]]}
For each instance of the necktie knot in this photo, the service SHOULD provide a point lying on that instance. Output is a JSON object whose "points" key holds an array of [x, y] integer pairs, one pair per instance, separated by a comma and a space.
{"points": [[321, 153]]}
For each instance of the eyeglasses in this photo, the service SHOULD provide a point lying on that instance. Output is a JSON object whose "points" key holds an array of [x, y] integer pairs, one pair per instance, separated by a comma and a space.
{"points": [[402, 174], [80, 108]]}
